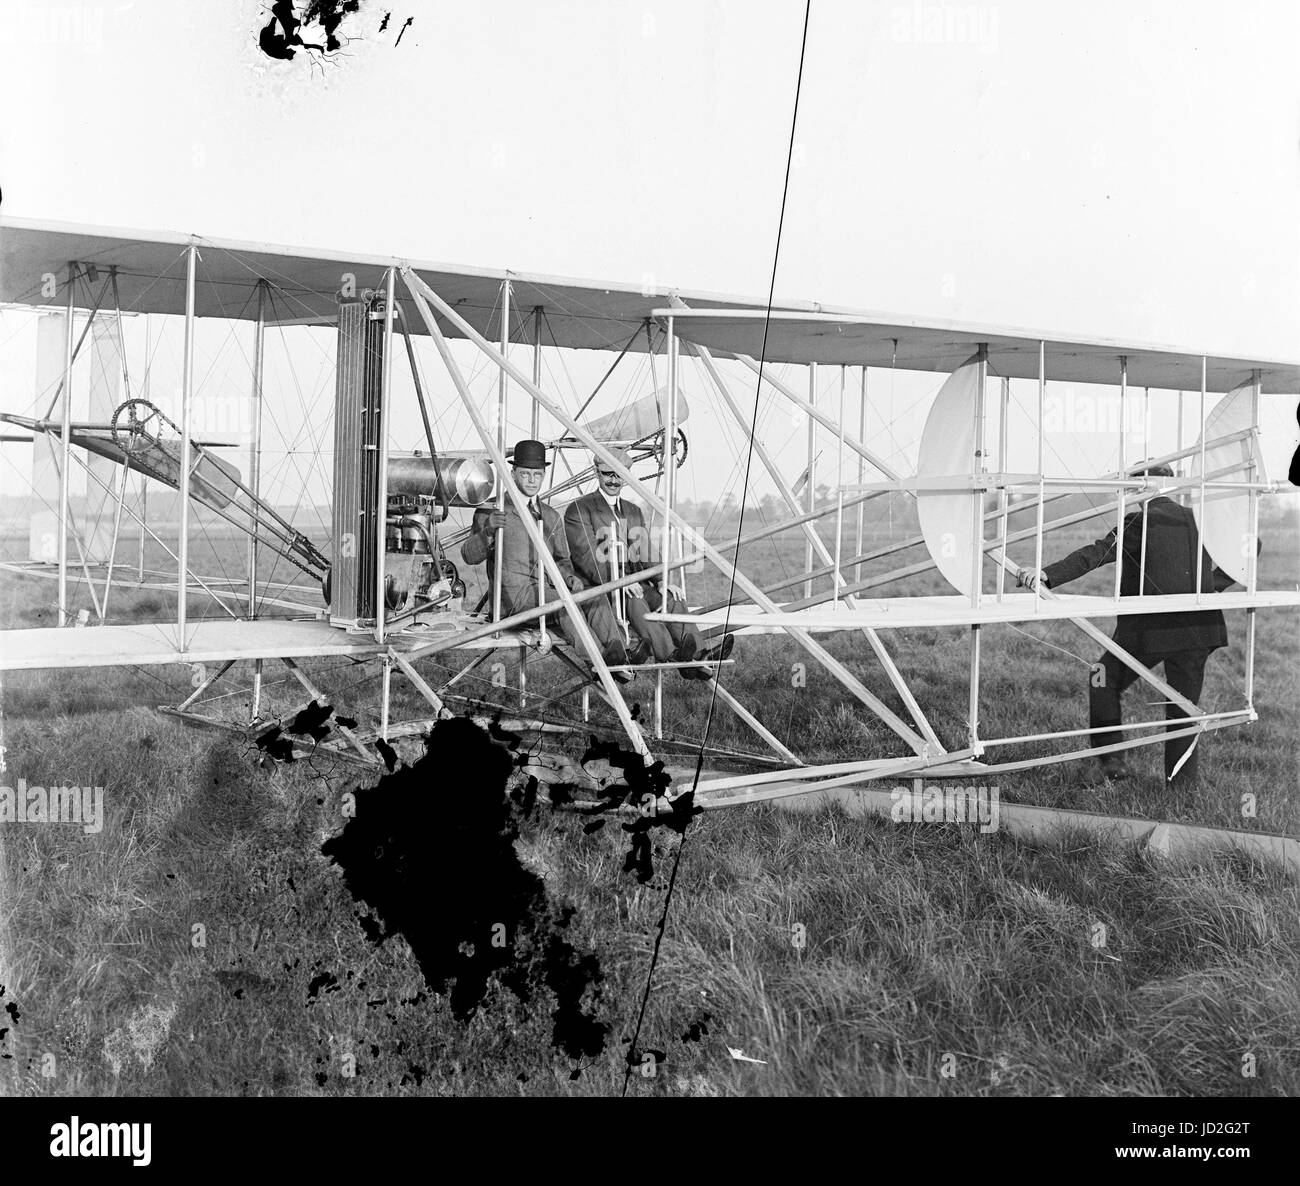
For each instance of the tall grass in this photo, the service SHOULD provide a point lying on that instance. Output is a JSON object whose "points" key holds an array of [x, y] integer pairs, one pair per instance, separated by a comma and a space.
{"points": [[201, 944]]}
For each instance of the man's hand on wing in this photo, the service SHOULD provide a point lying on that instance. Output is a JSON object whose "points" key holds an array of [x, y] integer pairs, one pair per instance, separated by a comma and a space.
{"points": [[1029, 578]]}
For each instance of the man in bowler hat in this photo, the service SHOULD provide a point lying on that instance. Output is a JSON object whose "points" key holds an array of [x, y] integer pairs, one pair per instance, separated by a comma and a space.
{"points": [[520, 565]]}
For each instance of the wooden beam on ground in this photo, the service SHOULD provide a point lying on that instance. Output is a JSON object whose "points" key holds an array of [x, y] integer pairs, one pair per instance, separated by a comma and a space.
{"points": [[1047, 825]]}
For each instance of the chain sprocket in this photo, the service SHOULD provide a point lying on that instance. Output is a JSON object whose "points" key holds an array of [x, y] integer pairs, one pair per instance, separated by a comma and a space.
{"points": [[137, 422], [655, 443]]}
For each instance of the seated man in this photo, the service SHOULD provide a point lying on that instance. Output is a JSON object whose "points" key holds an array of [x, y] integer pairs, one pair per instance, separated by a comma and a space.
{"points": [[1182, 642], [521, 566], [607, 537]]}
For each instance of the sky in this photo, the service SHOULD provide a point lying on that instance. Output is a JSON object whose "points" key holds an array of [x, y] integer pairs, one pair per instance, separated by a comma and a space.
{"points": [[1125, 170]]}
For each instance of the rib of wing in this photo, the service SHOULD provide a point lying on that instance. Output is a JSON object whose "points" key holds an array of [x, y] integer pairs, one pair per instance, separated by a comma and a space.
{"points": [[1227, 512], [947, 449]]}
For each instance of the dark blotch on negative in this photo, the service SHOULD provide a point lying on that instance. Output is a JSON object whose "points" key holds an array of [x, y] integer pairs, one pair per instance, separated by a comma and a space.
{"points": [[447, 873]]}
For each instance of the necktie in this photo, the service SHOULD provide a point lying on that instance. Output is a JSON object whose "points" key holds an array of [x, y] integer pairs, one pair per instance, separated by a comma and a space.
{"points": [[620, 535], [536, 513]]}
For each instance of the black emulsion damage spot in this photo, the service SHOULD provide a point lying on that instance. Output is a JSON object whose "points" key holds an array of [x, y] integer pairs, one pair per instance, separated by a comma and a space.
{"points": [[430, 852]]}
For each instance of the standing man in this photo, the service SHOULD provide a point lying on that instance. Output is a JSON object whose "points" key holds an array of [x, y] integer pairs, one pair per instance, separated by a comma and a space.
{"points": [[607, 538], [521, 567], [1182, 642]]}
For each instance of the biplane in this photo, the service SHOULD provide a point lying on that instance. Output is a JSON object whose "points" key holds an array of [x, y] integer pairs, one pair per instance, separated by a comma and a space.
{"points": [[380, 587]]}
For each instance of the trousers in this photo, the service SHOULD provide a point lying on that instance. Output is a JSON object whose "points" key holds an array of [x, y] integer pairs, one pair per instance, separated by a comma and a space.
{"points": [[664, 637], [598, 614], [1184, 672]]}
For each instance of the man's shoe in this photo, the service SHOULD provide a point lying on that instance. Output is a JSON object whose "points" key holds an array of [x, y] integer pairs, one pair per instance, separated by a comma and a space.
{"points": [[640, 653], [1113, 769], [685, 653], [621, 677], [712, 655], [721, 651]]}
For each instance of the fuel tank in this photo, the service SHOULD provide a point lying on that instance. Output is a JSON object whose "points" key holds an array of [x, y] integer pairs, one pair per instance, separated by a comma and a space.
{"points": [[462, 478]]}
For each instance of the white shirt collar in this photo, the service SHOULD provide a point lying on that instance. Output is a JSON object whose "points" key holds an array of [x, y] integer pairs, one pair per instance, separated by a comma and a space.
{"points": [[613, 501]]}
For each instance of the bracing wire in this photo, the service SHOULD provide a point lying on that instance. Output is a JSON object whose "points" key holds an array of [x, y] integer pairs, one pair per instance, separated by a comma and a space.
{"points": [[713, 698]]}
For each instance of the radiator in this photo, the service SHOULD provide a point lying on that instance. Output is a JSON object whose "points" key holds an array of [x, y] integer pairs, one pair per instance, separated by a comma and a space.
{"points": [[358, 428]]}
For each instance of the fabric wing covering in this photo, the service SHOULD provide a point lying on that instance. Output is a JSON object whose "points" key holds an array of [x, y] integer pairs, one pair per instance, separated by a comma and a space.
{"points": [[947, 449], [1226, 528]]}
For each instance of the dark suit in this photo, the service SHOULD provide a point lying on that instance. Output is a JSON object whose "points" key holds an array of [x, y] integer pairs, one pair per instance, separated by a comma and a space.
{"points": [[520, 570], [1293, 473], [1182, 642], [592, 526]]}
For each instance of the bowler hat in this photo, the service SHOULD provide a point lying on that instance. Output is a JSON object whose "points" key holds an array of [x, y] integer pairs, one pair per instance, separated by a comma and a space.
{"points": [[529, 455], [1150, 470]]}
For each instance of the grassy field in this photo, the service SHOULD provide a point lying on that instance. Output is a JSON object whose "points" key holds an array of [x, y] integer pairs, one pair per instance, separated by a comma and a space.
{"points": [[201, 942]]}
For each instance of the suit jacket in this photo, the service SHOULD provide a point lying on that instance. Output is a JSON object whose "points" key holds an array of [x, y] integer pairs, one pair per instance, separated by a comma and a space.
{"points": [[590, 526], [1170, 568], [521, 565]]}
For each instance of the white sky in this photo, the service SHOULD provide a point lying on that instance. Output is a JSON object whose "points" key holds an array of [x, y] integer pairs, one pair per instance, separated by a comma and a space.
{"points": [[1125, 170]]}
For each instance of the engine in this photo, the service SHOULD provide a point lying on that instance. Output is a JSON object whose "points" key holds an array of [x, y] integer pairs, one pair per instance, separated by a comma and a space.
{"points": [[416, 574]]}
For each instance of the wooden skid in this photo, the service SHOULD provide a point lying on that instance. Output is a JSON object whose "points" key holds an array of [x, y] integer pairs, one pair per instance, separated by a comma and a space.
{"points": [[305, 748]]}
